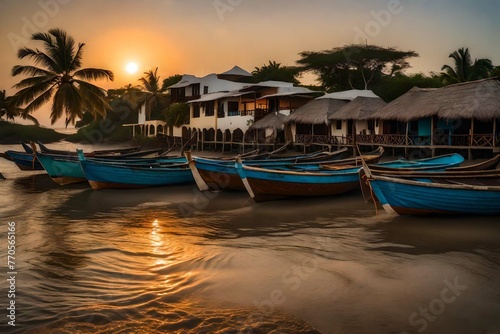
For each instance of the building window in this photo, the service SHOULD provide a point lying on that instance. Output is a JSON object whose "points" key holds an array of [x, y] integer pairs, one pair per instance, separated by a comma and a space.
{"points": [[220, 110], [338, 124], [205, 89], [196, 110], [232, 109], [209, 108], [371, 125], [195, 90]]}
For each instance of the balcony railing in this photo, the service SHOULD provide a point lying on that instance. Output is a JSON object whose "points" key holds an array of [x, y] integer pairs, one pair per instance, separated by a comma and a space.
{"points": [[477, 140]]}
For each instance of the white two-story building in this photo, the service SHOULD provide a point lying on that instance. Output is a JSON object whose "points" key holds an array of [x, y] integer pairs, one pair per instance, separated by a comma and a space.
{"points": [[223, 106]]}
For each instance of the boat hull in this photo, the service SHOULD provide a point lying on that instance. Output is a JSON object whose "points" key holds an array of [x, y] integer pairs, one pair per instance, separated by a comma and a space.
{"points": [[62, 169], [266, 185], [223, 180], [408, 197], [25, 161], [102, 175], [222, 174]]}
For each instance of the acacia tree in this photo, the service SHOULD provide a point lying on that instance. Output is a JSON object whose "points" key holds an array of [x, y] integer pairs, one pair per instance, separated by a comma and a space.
{"points": [[465, 69], [59, 78], [354, 66], [274, 71]]}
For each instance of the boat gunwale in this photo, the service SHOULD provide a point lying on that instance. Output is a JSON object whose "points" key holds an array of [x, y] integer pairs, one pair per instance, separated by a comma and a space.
{"points": [[435, 184]]}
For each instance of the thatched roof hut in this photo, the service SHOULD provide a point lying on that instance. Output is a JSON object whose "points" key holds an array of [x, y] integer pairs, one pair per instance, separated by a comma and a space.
{"points": [[474, 99], [272, 120], [316, 111], [361, 108]]}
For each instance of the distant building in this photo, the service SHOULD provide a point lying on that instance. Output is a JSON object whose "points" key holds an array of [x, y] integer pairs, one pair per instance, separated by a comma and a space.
{"points": [[223, 107], [147, 128]]}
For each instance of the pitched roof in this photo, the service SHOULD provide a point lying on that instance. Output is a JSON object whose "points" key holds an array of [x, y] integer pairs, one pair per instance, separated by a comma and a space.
{"points": [[474, 99], [236, 70], [358, 109], [316, 111], [348, 94], [273, 120]]}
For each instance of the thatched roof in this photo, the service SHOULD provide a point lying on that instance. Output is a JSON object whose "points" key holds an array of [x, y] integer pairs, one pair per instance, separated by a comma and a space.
{"points": [[272, 120], [474, 99], [359, 108], [316, 111]]}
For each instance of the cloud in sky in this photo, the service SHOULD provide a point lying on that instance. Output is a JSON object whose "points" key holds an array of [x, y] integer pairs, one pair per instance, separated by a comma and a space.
{"points": [[206, 36]]}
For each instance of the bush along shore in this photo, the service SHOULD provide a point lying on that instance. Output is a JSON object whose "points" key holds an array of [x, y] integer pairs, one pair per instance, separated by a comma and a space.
{"points": [[11, 133]]}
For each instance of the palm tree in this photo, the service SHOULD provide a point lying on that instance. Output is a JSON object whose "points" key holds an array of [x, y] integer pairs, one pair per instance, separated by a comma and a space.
{"points": [[177, 114], [274, 71], [153, 95], [60, 78], [10, 111], [464, 69]]}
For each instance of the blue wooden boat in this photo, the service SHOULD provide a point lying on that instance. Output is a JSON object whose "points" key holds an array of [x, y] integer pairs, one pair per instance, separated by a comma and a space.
{"points": [[62, 169], [217, 174], [115, 151], [25, 161], [66, 169], [435, 163], [267, 184], [104, 174], [466, 192]]}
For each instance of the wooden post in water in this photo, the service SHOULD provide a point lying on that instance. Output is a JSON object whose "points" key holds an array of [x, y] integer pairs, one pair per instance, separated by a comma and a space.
{"points": [[433, 150], [494, 132], [406, 138], [471, 139]]}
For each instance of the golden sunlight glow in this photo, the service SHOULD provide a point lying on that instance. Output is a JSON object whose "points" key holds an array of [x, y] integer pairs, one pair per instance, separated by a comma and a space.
{"points": [[132, 68]]}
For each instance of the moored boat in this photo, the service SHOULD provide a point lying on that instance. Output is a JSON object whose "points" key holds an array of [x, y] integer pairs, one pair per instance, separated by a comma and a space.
{"points": [[217, 174], [435, 163], [467, 193], [104, 174], [115, 151], [266, 184], [66, 169], [23, 160]]}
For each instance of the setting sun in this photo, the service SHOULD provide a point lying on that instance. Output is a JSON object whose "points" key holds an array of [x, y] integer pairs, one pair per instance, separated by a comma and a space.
{"points": [[132, 68]]}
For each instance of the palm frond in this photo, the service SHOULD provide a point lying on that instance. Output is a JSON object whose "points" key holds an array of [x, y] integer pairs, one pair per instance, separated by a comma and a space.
{"points": [[94, 74], [77, 58], [39, 57], [94, 98], [40, 100], [68, 101], [37, 81], [27, 116], [30, 70]]}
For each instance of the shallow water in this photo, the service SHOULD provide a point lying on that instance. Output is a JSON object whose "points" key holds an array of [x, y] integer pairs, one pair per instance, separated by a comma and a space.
{"points": [[173, 260]]}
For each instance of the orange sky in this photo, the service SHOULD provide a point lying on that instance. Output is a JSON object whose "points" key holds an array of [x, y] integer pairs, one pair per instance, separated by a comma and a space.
{"points": [[206, 36]]}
